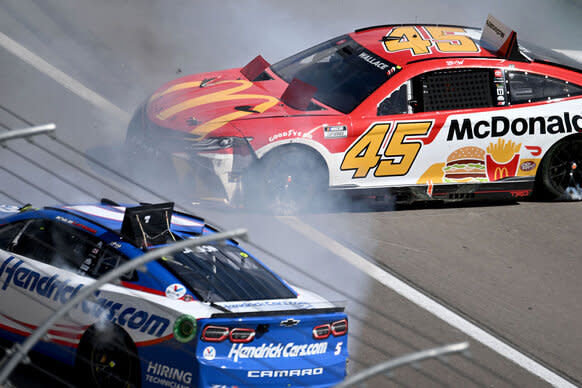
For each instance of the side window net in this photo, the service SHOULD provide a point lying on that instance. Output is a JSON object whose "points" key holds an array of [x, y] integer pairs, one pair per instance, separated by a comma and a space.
{"points": [[67, 248], [9, 232], [456, 89], [35, 242], [395, 103], [526, 87], [107, 261]]}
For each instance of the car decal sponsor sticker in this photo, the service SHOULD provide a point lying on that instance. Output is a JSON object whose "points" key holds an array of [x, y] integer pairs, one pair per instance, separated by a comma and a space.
{"points": [[290, 133], [335, 131], [175, 291], [76, 224], [386, 148], [468, 164], [229, 94], [15, 273], [374, 61], [267, 303], [527, 166], [50, 287], [499, 126], [502, 159], [129, 317], [423, 40], [289, 350], [209, 353], [285, 373], [167, 376]]}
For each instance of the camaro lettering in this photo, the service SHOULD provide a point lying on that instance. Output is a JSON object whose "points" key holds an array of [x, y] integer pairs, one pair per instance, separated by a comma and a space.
{"points": [[167, 376], [500, 126], [14, 274], [285, 372], [238, 351]]}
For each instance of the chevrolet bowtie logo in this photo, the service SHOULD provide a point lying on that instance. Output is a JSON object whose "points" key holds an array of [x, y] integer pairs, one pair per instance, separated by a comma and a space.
{"points": [[290, 322]]}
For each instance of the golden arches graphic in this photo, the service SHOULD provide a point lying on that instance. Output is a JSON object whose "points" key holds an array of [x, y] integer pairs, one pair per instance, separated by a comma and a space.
{"points": [[230, 94]]}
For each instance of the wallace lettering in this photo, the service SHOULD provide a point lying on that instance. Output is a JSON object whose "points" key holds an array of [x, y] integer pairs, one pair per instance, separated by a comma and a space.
{"points": [[499, 126]]}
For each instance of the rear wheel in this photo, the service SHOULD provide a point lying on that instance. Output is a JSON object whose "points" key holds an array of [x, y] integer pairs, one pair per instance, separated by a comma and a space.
{"points": [[561, 171], [287, 181], [108, 359]]}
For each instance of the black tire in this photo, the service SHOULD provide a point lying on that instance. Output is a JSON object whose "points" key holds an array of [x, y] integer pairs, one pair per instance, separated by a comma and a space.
{"points": [[108, 359], [561, 171], [287, 181]]}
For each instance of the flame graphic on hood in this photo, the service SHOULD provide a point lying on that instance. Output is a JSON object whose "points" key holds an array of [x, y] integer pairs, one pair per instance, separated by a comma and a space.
{"points": [[230, 94]]}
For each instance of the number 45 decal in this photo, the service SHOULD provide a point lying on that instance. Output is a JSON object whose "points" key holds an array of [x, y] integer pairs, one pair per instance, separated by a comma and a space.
{"points": [[365, 154]]}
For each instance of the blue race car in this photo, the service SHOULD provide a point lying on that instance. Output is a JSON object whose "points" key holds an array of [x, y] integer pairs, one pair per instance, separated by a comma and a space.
{"points": [[209, 316]]}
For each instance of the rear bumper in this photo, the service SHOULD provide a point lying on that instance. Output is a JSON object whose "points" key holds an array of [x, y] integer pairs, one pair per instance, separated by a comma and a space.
{"points": [[273, 373], [284, 351]]}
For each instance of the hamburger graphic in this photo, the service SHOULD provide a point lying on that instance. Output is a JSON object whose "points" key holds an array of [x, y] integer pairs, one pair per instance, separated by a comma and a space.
{"points": [[467, 164]]}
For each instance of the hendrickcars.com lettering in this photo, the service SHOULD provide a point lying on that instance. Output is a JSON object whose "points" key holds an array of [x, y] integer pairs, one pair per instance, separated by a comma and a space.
{"points": [[272, 350], [129, 317], [15, 273], [501, 126], [49, 287], [285, 372]]}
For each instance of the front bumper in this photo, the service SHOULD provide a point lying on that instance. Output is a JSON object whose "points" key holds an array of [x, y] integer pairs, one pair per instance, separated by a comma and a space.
{"points": [[203, 169]]}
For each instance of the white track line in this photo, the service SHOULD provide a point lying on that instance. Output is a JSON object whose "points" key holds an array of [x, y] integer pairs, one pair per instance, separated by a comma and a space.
{"points": [[69, 83], [348, 255], [426, 303]]}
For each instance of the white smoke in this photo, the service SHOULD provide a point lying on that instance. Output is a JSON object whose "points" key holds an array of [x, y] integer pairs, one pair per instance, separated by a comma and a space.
{"points": [[574, 193]]}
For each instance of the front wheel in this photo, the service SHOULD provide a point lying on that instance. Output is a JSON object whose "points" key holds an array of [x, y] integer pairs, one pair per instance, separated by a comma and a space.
{"points": [[561, 171], [107, 359], [287, 181]]}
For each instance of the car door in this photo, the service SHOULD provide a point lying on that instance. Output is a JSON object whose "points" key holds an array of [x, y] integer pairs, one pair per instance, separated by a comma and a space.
{"points": [[409, 134], [32, 284]]}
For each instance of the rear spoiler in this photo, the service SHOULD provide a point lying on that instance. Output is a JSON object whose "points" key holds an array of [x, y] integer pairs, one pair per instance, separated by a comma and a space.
{"points": [[325, 310], [501, 40]]}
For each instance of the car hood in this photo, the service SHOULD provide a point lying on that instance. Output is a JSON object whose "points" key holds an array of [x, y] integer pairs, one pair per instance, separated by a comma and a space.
{"points": [[202, 103]]}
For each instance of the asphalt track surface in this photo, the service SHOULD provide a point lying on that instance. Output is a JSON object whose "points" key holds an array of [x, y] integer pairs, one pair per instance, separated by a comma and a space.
{"points": [[509, 271]]}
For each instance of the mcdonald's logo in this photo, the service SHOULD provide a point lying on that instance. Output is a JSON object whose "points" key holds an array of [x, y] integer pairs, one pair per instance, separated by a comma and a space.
{"points": [[497, 171], [500, 173]]}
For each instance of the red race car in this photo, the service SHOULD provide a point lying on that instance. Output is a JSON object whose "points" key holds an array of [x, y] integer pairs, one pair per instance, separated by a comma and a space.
{"points": [[414, 112]]}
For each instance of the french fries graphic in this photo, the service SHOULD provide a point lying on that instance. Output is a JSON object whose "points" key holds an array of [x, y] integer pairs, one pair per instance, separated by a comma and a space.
{"points": [[502, 159]]}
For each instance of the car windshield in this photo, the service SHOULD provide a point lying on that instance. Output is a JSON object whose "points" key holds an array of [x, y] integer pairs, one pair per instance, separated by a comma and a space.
{"points": [[543, 54], [226, 273], [343, 72]]}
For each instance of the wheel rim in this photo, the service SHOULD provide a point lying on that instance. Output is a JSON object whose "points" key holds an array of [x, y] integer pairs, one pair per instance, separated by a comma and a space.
{"points": [[292, 188], [110, 366], [565, 167]]}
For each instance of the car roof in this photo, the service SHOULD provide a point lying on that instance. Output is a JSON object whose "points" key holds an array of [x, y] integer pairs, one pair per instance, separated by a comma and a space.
{"points": [[111, 217], [372, 39]]}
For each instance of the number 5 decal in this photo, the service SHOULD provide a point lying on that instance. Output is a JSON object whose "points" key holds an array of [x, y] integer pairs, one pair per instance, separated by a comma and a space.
{"points": [[400, 153]]}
